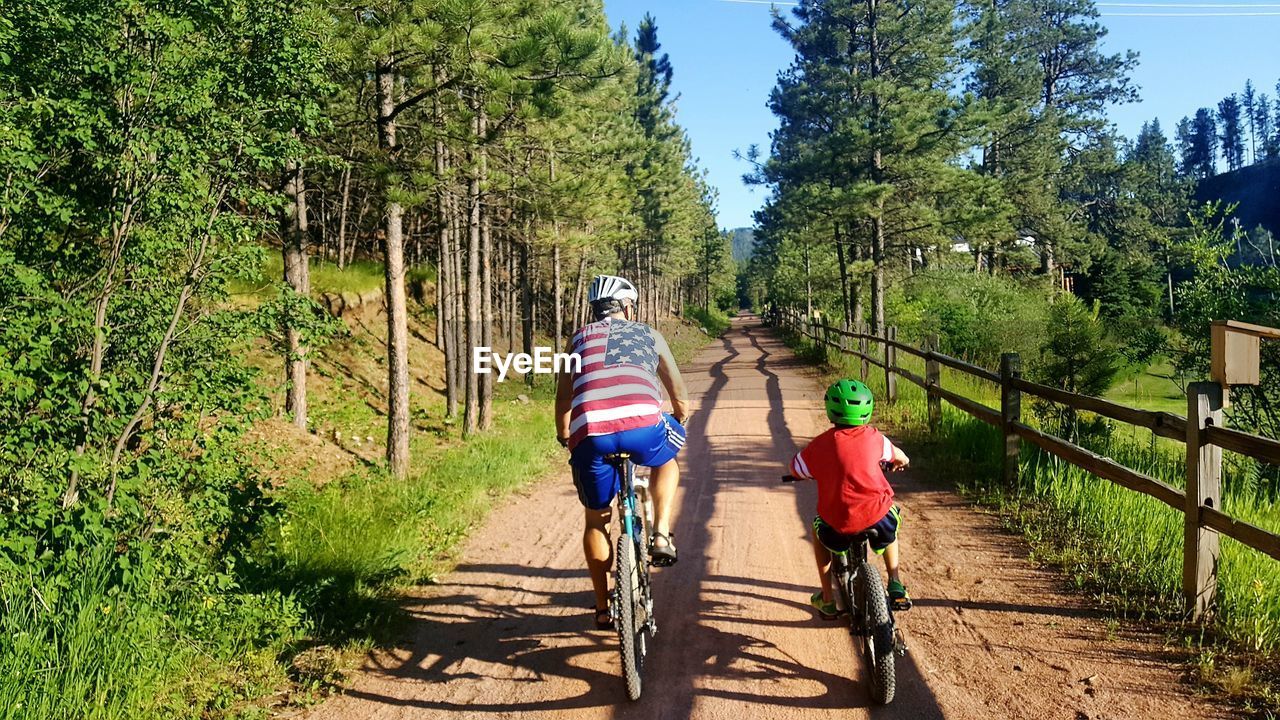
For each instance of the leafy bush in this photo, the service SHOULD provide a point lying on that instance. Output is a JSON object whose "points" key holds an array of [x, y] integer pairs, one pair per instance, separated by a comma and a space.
{"points": [[715, 322], [975, 316]]}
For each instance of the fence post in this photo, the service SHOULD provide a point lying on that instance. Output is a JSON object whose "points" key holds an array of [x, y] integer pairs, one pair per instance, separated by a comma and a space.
{"points": [[890, 359], [862, 350], [1010, 412], [1204, 480], [932, 379]]}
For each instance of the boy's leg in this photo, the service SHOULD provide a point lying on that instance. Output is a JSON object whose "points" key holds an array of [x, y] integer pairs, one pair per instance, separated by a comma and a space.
{"points": [[599, 552], [891, 561], [822, 556]]}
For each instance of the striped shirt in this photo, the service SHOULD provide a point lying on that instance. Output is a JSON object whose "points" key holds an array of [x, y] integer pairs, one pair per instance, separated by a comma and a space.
{"points": [[617, 388]]}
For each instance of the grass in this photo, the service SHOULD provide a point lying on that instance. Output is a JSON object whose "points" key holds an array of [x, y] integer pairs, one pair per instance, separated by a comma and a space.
{"points": [[715, 322], [360, 276], [1152, 389], [1123, 547]]}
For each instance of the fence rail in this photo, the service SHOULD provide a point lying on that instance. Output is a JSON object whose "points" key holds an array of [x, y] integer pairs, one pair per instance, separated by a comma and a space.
{"points": [[1201, 432]]}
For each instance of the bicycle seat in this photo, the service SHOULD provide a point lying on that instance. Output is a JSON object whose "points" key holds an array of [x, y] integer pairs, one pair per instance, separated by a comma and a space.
{"points": [[617, 457]]}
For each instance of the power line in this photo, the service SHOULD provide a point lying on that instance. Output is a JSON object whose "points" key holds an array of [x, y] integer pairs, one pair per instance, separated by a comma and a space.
{"points": [[1121, 5], [1196, 14], [1187, 5]]}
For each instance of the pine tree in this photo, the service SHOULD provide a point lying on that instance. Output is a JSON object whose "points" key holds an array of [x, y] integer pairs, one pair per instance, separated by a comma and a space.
{"points": [[880, 67], [1267, 141], [1231, 132], [1043, 60], [1249, 104], [1201, 153]]}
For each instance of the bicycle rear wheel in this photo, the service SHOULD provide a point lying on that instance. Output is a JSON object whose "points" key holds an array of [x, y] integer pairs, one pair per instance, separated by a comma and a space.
{"points": [[630, 628], [878, 634]]}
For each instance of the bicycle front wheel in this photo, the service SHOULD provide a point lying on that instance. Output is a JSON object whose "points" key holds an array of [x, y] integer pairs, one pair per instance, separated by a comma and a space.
{"points": [[630, 629], [878, 634]]}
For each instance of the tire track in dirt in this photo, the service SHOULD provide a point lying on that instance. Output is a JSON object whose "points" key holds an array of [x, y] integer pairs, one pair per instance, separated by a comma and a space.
{"points": [[507, 634]]}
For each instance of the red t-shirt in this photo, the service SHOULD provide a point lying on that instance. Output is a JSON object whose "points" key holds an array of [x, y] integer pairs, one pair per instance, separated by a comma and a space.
{"points": [[853, 493]]}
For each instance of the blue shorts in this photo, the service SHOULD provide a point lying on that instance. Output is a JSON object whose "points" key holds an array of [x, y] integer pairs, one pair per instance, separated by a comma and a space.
{"points": [[597, 481]]}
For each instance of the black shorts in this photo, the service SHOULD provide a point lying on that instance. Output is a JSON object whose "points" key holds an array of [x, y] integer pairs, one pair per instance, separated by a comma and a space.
{"points": [[879, 536]]}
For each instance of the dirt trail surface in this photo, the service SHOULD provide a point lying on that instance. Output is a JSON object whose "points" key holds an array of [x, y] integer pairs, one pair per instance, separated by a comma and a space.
{"points": [[508, 634]]}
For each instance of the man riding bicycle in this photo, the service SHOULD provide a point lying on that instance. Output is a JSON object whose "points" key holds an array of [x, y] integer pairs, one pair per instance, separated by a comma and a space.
{"points": [[613, 404]]}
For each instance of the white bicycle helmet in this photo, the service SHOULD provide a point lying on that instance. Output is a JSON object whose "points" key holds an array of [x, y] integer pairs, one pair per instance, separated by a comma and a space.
{"points": [[611, 287]]}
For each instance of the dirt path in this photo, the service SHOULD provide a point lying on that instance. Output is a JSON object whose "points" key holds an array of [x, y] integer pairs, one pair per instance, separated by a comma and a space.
{"points": [[506, 634]]}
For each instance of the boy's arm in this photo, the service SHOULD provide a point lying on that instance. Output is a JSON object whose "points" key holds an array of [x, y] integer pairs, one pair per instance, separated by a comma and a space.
{"points": [[894, 455], [799, 468]]}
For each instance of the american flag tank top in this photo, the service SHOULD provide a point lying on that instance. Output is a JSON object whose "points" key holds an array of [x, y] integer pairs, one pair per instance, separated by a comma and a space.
{"points": [[617, 388]]}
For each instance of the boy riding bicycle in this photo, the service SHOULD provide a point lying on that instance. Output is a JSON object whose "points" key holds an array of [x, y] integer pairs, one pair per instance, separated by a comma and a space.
{"points": [[854, 498]]}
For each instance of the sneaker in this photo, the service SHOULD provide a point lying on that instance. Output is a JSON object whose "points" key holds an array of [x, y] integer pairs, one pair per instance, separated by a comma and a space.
{"points": [[827, 610], [898, 597]]}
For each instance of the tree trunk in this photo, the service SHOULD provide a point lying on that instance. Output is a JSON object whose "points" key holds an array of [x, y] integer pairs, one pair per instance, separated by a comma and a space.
{"points": [[457, 231], [397, 311], [855, 293], [513, 295], [293, 232], [579, 290], [355, 235], [486, 279], [342, 217], [877, 176], [526, 302], [808, 284], [844, 275], [471, 413], [447, 284], [557, 297]]}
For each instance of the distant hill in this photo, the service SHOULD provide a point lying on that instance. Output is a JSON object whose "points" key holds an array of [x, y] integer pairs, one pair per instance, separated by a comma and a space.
{"points": [[744, 243], [1255, 188]]}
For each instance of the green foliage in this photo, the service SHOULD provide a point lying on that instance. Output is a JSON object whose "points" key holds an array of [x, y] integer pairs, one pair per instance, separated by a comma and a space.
{"points": [[1077, 355], [714, 322], [976, 317], [1218, 291]]}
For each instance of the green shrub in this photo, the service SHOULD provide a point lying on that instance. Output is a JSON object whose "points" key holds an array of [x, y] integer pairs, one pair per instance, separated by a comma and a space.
{"points": [[975, 316]]}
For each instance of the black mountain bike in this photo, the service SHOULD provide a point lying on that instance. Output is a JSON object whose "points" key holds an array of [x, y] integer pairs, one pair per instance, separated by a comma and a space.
{"points": [[632, 606], [860, 593]]}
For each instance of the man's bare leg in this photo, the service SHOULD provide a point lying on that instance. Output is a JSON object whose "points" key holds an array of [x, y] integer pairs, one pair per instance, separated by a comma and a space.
{"points": [[663, 482], [599, 552]]}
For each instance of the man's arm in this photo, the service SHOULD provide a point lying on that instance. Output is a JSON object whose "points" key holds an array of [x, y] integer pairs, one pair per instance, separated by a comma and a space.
{"points": [[564, 404], [672, 380]]}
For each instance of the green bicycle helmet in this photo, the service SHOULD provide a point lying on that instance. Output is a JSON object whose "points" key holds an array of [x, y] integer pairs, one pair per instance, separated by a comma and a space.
{"points": [[849, 402]]}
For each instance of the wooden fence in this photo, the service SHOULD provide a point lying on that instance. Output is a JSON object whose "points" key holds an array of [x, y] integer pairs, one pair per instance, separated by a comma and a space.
{"points": [[1203, 435]]}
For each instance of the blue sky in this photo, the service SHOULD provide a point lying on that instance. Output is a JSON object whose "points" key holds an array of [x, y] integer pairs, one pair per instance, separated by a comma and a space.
{"points": [[726, 58]]}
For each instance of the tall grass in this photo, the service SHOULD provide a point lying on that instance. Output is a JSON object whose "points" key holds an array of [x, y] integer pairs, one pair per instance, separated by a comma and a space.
{"points": [[715, 322], [346, 545], [79, 651], [1121, 545]]}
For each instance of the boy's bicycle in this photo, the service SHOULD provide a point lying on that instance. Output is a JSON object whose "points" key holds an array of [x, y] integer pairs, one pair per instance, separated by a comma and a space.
{"points": [[860, 592], [632, 606]]}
